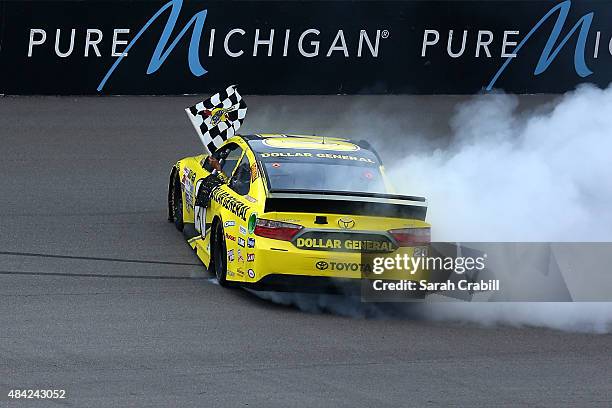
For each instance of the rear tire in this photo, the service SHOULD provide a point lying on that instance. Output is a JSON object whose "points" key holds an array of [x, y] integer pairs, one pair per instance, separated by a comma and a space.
{"points": [[219, 255], [177, 204]]}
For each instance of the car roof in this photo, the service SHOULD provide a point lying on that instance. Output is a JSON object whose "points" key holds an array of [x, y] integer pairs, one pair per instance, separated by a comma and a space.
{"points": [[270, 142], [293, 137], [306, 145]]}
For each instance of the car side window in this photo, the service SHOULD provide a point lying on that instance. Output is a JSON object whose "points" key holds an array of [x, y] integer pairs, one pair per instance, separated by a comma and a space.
{"points": [[229, 164], [227, 156], [241, 179]]}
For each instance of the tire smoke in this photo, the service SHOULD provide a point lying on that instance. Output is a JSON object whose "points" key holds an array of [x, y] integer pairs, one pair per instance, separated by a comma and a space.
{"points": [[540, 176], [585, 317], [500, 175]]}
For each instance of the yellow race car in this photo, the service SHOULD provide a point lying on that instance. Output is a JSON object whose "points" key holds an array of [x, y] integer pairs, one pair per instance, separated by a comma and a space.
{"points": [[292, 213]]}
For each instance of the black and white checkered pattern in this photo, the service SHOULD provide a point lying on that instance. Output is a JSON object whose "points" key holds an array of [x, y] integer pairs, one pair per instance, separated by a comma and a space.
{"points": [[214, 126]]}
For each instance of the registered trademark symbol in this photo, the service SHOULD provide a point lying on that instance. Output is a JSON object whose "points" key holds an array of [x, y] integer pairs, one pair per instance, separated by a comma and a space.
{"points": [[385, 34]]}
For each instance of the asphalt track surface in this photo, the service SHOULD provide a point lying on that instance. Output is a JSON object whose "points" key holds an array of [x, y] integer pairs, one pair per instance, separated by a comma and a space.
{"points": [[100, 296]]}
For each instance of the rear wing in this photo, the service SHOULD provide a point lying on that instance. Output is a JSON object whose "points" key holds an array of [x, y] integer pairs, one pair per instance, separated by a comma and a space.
{"points": [[354, 203]]}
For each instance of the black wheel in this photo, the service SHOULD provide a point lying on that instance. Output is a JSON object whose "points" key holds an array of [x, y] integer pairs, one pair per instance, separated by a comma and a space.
{"points": [[219, 255], [177, 204]]}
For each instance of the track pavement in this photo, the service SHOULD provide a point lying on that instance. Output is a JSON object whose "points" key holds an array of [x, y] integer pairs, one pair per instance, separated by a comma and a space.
{"points": [[100, 296]]}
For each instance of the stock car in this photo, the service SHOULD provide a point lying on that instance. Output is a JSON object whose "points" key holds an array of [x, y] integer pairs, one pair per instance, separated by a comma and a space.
{"points": [[292, 213]]}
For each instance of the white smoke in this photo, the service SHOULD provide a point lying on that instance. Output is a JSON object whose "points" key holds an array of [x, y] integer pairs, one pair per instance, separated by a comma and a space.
{"points": [[583, 317], [544, 176], [500, 175], [540, 176]]}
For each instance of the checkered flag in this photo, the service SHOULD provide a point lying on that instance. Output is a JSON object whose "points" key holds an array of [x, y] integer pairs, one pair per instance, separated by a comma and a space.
{"points": [[218, 118]]}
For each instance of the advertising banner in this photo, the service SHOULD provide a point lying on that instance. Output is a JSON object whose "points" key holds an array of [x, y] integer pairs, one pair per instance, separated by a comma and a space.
{"points": [[303, 47]]}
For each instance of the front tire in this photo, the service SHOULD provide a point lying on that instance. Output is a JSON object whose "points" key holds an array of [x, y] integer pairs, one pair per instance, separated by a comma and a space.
{"points": [[177, 204], [219, 255]]}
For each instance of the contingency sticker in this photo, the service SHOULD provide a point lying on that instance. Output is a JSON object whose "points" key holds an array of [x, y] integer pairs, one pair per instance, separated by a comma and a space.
{"points": [[254, 172], [187, 180], [252, 223]]}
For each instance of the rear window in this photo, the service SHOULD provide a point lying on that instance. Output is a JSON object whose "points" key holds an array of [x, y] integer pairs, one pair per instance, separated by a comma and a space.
{"points": [[284, 174]]}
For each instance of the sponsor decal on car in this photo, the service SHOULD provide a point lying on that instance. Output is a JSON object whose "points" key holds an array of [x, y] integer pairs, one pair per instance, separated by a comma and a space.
{"points": [[319, 156], [240, 272], [230, 203], [251, 274], [343, 266], [230, 255], [187, 180], [252, 223], [351, 245], [254, 172], [250, 257], [243, 230], [240, 257], [251, 242], [284, 143], [229, 223], [241, 241], [230, 237], [249, 198], [346, 223], [188, 174]]}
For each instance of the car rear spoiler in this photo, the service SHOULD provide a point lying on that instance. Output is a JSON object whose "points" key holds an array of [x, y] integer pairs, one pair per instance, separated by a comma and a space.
{"points": [[353, 203]]}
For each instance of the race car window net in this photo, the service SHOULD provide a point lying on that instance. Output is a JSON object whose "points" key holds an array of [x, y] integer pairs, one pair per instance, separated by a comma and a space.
{"points": [[231, 161], [284, 231], [241, 179], [228, 157], [324, 177]]}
